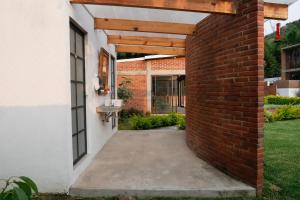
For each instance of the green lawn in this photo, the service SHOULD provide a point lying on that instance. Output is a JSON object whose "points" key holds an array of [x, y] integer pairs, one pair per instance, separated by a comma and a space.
{"points": [[282, 163], [282, 160]]}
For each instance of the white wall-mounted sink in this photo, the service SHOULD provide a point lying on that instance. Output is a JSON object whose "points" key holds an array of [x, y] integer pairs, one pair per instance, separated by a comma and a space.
{"points": [[106, 109], [109, 109]]}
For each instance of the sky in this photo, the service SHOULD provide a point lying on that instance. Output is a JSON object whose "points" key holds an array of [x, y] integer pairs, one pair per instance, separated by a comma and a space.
{"points": [[294, 14]]}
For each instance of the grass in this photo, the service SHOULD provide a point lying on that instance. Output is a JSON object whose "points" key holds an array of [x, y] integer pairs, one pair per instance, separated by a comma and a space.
{"points": [[124, 125], [282, 160], [282, 164]]}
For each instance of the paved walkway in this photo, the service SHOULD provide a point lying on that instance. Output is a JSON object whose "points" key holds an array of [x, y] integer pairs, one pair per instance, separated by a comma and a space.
{"points": [[154, 163]]}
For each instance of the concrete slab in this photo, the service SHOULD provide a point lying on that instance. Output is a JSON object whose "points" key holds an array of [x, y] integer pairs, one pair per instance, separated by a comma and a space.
{"points": [[154, 163]]}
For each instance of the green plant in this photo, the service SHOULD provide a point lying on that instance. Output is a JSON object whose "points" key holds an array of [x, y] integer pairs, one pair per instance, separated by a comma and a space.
{"points": [[140, 123], [124, 92], [268, 116], [181, 124], [18, 188], [155, 121], [286, 113], [173, 117], [279, 100], [127, 113], [272, 49]]}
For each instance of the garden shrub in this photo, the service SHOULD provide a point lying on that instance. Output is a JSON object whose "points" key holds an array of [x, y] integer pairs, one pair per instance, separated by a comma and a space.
{"points": [[268, 116], [167, 121], [156, 121], [181, 124], [279, 100], [173, 118], [287, 112], [139, 122], [127, 113]]}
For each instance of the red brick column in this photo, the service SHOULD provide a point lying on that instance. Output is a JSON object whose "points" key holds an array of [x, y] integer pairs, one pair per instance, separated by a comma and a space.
{"points": [[225, 92]]}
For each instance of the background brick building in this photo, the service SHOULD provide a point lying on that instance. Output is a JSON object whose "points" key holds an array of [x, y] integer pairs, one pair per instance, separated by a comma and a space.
{"points": [[154, 82]]}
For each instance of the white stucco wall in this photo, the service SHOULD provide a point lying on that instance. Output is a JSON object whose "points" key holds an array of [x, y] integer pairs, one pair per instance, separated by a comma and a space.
{"points": [[288, 92], [35, 100]]}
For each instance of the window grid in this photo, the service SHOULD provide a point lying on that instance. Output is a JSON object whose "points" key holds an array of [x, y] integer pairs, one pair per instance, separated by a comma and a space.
{"points": [[77, 55]]}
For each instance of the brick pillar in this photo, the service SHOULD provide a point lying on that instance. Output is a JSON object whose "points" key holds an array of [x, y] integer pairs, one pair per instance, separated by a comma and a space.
{"points": [[225, 92]]}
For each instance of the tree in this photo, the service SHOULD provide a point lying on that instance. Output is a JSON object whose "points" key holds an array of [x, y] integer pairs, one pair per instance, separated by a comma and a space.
{"points": [[290, 36], [272, 67]]}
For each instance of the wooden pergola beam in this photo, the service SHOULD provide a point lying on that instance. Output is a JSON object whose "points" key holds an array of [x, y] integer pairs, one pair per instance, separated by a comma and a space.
{"points": [[147, 41], [150, 50], [276, 11], [272, 10], [144, 26], [206, 6]]}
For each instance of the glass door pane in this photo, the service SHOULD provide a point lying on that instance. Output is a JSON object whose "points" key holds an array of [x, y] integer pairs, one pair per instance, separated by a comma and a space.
{"points": [[113, 85], [164, 90], [78, 101]]}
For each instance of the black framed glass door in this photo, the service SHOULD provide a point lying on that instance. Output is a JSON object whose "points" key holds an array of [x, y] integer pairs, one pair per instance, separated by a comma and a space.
{"points": [[181, 91], [164, 94], [113, 85], [78, 100]]}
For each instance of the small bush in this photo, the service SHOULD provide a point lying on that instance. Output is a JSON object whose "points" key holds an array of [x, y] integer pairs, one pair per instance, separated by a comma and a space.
{"points": [[287, 112], [127, 113], [181, 124], [155, 121], [140, 123], [268, 116], [173, 118], [279, 100]]}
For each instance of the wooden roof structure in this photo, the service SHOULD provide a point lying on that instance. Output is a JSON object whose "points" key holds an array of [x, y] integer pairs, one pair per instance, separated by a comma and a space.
{"points": [[160, 26]]}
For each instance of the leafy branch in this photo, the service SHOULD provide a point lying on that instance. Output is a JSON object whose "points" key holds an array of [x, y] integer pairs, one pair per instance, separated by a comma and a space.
{"points": [[18, 188]]}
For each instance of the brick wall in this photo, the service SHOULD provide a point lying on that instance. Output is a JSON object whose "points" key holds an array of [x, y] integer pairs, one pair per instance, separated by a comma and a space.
{"points": [[132, 66], [225, 92], [138, 87], [138, 83], [137, 72], [168, 64]]}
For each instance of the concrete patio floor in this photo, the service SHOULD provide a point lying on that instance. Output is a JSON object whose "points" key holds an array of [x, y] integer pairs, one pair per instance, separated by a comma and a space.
{"points": [[154, 163]]}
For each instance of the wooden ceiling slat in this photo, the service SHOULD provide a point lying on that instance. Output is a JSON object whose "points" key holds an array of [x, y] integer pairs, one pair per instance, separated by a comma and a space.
{"points": [[206, 6], [276, 11], [272, 10], [150, 50], [144, 26], [147, 41]]}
